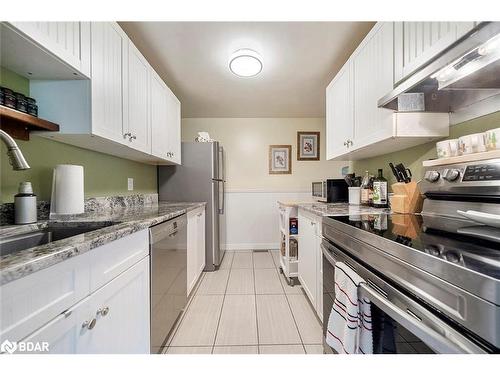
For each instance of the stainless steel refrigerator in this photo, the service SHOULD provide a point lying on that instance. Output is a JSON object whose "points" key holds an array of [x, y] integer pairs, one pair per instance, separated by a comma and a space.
{"points": [[200, 178]]}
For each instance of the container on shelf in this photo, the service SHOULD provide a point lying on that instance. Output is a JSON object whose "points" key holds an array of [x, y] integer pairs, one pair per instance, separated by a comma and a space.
{"points": [[294, 225], [31, 107], [294, 248], [21, 104], [283, 245], [9, 99]]}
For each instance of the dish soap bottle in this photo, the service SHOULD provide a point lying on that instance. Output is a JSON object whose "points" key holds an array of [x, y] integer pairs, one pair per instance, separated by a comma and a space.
{"points": [[380, 191], [25, 211]]}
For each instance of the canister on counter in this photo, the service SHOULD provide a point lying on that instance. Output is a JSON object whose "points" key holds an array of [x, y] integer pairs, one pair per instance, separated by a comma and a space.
{"points": [[25, 210]]}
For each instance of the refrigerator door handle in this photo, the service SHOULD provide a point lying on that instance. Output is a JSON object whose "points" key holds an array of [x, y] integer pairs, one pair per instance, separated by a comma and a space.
{"points": [[221, 210], [222, 176], [223, 166]]}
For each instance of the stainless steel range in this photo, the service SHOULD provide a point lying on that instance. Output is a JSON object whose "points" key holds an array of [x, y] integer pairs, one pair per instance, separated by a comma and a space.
{"points": [[434, 278]]}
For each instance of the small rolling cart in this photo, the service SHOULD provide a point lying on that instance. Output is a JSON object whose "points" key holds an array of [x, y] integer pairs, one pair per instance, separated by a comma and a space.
{"points": [[289, 244]]}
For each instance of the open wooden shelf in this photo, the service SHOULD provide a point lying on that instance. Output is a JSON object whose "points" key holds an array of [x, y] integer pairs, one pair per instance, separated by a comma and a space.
{"points": [[19, 124], [463, 158]]}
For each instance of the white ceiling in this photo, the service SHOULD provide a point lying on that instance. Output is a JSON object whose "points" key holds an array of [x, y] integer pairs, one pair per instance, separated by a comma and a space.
{"points": [[300, 59]]}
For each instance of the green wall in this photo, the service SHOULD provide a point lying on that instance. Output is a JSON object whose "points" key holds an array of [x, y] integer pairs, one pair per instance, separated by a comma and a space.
{"points": [[104, 174], [413, 157]]}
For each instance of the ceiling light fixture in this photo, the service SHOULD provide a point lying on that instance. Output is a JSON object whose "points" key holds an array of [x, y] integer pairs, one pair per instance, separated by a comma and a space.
{"points": [[245, 63]]}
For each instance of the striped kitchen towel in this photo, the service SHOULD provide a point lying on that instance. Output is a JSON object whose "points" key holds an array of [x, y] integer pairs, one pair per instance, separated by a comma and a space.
{"points": [[350, 324]]}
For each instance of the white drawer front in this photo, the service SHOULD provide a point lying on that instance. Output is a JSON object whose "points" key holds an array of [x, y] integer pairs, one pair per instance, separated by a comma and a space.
{"points": [[111, 259], [30, 302], [63, 333]]}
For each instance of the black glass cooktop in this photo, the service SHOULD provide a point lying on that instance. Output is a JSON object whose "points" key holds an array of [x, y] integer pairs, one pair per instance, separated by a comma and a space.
{"points": [[457, 241]]}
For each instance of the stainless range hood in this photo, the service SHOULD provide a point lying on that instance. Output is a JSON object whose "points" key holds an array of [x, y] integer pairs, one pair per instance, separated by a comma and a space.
{"points": [[465, 74]]}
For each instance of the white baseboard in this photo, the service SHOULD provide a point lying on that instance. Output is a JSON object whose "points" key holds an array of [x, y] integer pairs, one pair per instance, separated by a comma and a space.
{"points": [[251, 246]]}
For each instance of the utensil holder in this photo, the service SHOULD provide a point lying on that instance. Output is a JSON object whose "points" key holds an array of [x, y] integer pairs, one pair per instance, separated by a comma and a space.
{"points": [[406, 199], [354, 195]]}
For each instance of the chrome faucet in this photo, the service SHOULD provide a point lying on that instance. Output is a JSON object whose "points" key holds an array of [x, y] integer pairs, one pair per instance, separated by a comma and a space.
{"points": [[16, 157]]}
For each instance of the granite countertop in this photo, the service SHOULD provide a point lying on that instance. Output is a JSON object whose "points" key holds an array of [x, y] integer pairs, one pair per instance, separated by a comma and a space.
{"points": [[125, 221], [340, 209]]}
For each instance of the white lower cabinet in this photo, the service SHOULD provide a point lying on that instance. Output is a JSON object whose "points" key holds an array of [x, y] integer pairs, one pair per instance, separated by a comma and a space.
{"points": [[310, 259], [195, 246], [96, 302], [121, 312], [106, 321]]}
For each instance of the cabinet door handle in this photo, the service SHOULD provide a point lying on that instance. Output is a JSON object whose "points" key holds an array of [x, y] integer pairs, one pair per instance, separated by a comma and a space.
{"points": [[89, 324], [199, 215], [133, 137], [127, 135], [103, 311], [345, 143]]}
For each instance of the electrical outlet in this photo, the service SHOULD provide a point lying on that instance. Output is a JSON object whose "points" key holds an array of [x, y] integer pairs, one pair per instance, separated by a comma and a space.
{"points": [[130, 184]]}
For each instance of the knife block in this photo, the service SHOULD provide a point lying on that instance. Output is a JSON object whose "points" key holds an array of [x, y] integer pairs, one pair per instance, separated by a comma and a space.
{"points": [[406, 199]]}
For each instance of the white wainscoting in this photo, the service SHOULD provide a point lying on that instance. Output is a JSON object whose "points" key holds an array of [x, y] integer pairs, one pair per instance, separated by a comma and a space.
{"points": [[252, 218]]}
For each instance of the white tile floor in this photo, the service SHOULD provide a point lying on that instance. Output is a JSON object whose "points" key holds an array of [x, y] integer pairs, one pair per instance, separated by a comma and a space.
{"points": [[246, 307]]}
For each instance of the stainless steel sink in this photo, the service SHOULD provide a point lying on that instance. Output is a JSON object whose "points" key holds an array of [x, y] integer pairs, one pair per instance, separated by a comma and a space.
{"points": [[53, 232]]}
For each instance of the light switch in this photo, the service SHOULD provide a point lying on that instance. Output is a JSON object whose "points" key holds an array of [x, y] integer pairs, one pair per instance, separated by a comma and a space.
{"points": [[130, 184]]}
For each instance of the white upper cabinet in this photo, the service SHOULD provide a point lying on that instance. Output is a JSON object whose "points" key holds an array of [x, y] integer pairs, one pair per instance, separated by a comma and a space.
{"points": [[416, 43], [173, 128], [125, 109], [339, 112], [373, 69], [159, 119], [109, 77], [355, 127], [69, 41], [139, 127], [165, 121]]}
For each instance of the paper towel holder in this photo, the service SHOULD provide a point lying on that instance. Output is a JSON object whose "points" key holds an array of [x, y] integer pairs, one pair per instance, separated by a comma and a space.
{"points": [[67, 190]]}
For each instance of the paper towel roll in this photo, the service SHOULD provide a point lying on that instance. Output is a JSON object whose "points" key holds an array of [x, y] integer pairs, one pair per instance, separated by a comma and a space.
{"points": [[67, 190]]}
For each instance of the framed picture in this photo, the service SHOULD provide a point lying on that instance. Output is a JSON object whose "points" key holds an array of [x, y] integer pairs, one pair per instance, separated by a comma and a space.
{"points": [[279, 159], [307, 145]]}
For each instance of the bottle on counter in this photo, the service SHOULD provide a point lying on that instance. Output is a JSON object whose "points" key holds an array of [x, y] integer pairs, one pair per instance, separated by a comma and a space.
{"points": [[25, 211], [380, 191], [365, 190], [370, 190]]}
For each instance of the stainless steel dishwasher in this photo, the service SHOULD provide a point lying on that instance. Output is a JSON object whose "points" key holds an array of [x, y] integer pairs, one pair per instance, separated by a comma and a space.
{"points": [[168, 257]]}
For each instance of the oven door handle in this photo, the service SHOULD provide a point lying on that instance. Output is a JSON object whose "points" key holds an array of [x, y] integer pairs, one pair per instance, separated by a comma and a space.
{"points": [[328, 251], [447, 340]]}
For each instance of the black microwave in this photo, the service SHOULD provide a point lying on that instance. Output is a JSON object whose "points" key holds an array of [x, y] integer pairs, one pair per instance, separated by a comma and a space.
{"points": [[330, 191]]}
